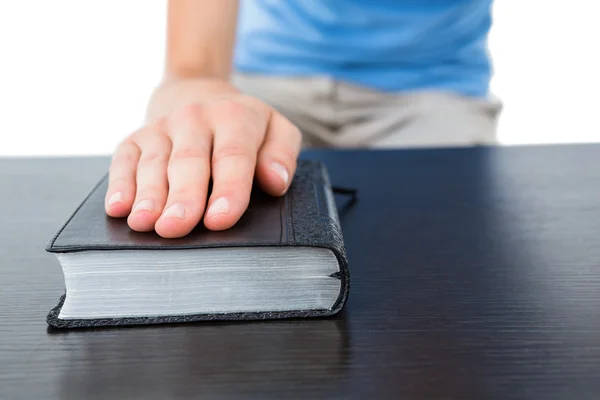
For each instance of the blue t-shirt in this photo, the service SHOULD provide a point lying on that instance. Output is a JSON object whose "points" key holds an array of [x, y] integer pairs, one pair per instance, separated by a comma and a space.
{"points": [[389, 45]]}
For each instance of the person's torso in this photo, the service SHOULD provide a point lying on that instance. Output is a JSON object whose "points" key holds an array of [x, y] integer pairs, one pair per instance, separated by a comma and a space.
{"points": [[390, 45]]}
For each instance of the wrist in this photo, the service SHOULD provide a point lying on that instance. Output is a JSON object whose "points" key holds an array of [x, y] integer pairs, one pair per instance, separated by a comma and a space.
{"points": [[175, 91]]}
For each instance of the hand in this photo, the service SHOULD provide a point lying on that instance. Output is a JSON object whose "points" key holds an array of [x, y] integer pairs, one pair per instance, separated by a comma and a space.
{"points": [[159, 175]]}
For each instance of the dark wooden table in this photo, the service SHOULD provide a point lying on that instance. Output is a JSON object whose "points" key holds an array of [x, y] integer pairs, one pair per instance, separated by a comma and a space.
{"points": [[475, 274]]}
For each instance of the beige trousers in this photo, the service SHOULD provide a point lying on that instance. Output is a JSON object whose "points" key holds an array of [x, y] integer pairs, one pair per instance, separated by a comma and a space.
{"points": [[335, 114]]}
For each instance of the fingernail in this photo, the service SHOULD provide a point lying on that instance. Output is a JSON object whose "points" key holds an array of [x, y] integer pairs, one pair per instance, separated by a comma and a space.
{"points": [[144, 205], [177, 210], [221, 206], [281, 171], [115, 198]]}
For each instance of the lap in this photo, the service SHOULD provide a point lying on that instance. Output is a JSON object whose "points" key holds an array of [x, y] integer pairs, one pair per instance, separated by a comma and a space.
{"points": [[335, 114], [440, 120]]}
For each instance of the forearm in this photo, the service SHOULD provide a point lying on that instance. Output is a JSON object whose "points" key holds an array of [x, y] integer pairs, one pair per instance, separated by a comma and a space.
{"points": [[200, 38]]}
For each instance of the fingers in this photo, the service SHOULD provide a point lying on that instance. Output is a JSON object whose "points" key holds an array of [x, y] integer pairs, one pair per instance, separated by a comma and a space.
{"points": [[278, 156], [121, 179], [188, 173], [151, 179], [238, 133], [159, 177]]}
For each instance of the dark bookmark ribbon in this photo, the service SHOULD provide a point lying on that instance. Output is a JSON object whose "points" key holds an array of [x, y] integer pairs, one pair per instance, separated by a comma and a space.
{"points": [[351, 192], [346, 191]]}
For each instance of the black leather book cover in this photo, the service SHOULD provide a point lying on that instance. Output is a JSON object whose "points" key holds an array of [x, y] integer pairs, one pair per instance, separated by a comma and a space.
{"points": [[305, 216]]}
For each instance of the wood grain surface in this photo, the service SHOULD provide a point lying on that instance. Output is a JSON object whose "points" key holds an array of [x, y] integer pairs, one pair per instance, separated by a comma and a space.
{"points": [[475, 274]]}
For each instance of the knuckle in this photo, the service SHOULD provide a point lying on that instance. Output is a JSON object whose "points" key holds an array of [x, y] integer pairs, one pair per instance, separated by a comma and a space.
{"points": [[153, 156], [231, 151], [295, 132], [117, 181], [129, 143], [231, 108], [188, 153], [124, 157], [134, 137], [151, 190], [286, 155], [159, 125], [288, 132], [190, 191], [253, 103], [296, 137], [189, 114], [288, 126], [127, 153]]}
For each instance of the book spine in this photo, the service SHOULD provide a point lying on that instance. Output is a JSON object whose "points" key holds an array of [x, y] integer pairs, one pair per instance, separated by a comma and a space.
{"points": [[313, 217]]}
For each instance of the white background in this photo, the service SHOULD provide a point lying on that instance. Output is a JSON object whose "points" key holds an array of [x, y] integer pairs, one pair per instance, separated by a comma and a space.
{"points": [[75, 75]]}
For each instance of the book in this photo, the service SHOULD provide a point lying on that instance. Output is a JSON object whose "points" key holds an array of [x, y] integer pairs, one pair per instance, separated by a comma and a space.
{"points": [[284, 258]]}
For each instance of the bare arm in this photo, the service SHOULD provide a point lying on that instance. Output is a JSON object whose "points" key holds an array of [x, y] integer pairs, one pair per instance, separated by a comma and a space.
{"points": [[200, 38]]}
